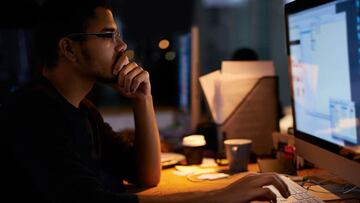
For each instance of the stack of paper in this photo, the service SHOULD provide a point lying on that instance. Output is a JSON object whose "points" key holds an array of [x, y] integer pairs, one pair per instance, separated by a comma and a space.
{"points": [[224, 90]]}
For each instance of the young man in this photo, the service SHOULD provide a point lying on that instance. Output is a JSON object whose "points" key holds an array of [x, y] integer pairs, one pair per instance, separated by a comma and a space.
{"points": [[59, 149]]}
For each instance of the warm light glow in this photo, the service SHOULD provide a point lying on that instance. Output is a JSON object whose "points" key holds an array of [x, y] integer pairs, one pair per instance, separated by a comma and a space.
{"points": [[170, 56], [130, 54], [164, 44]]}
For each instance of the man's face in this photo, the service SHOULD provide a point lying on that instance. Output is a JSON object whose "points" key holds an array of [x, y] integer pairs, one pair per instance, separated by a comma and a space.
{"points": [[98, 55]]}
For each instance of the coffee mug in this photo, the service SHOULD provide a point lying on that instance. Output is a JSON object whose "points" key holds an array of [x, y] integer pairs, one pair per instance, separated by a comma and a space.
{"points": [[238, 154], [193, 147]]}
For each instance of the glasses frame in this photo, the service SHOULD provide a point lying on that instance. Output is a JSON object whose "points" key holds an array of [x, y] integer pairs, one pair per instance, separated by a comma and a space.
{"points": [[115, 36]]}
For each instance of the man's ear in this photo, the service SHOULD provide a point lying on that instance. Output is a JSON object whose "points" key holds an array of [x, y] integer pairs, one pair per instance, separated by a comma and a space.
{"points": [[67, 49]]}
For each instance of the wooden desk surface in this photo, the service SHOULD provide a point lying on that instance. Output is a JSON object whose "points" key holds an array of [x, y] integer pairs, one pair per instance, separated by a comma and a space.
{"points": [[174, 185]]}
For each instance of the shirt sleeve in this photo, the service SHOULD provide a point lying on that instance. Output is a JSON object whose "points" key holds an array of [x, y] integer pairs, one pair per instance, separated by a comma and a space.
{"points": [[40, 147]]}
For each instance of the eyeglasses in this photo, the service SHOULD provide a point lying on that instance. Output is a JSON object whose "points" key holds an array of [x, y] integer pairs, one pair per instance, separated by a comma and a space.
{"points": [[115, 36]]}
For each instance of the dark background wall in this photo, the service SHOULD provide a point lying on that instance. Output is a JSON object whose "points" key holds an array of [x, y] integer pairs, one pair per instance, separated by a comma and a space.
{"points": [[257, 24]]}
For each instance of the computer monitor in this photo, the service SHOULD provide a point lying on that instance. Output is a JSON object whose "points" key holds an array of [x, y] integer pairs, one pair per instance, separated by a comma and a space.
{"points": [[323, 41]]}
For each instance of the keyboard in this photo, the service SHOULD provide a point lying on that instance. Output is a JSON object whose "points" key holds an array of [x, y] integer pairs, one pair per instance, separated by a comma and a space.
{"points": [[298, 193]]}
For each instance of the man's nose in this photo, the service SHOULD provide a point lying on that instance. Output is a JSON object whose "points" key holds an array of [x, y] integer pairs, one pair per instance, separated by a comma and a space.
{"points": [[121, 46]]}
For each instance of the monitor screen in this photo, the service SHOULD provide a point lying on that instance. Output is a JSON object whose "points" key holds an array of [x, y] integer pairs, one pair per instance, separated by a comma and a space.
{"points": [[324, 50]]}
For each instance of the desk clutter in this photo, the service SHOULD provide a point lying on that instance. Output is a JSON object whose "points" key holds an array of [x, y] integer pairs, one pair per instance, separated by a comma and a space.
{"points": [[243, 101], [171, 159], [208, 170]]}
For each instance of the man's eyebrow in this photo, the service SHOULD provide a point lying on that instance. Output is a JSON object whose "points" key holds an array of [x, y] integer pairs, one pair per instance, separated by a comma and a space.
{"points": [[108, 30]]}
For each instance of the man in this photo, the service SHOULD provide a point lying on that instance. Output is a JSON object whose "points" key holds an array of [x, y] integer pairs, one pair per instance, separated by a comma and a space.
{"points": [[58, 148]]}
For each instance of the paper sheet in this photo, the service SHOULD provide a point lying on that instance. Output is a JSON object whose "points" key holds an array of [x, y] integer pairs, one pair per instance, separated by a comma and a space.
{"points": [[248, 69], [207, 83], [225, 90], [230, 94]]}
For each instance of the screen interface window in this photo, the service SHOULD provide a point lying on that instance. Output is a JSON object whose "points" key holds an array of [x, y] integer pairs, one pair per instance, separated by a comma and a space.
{"points": [[325, 58]]}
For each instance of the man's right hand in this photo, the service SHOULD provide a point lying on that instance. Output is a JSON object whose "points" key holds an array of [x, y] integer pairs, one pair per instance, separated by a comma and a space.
{"points": [[132, 80], [251, 188]]}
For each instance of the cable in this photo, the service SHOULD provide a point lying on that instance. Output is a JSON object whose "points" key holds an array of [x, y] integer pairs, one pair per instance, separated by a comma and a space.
{"points": [[351, 189], [344, 190]]}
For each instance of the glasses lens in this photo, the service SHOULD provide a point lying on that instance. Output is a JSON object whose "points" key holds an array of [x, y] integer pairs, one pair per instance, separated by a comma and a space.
{"points": [[108, 35], [116, 37]]}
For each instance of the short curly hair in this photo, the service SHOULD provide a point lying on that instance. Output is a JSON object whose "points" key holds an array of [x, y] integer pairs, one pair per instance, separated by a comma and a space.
{"points": [[57, 19]]}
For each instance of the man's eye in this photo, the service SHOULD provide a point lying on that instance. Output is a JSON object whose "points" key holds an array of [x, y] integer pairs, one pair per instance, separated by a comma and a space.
{"points": [[106, 35]]}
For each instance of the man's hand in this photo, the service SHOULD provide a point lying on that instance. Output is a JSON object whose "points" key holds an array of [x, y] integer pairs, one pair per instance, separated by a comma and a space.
{"points": [[134, 83], [132, 80], [251, 188]]}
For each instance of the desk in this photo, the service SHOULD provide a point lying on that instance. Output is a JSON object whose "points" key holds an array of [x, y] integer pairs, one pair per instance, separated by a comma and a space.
{"points": [[171, 184], [174, 184]]}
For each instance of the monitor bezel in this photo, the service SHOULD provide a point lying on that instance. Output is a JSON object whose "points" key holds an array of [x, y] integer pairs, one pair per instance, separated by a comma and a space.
{"points": [[292, 8]]}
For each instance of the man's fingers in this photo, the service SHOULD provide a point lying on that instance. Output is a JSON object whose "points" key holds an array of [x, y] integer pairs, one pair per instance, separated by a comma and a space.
{"points": [[263, 194], [143, 76], [284, 185], [129, 78], [273, 179], [120, 63], [123, 73]]}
